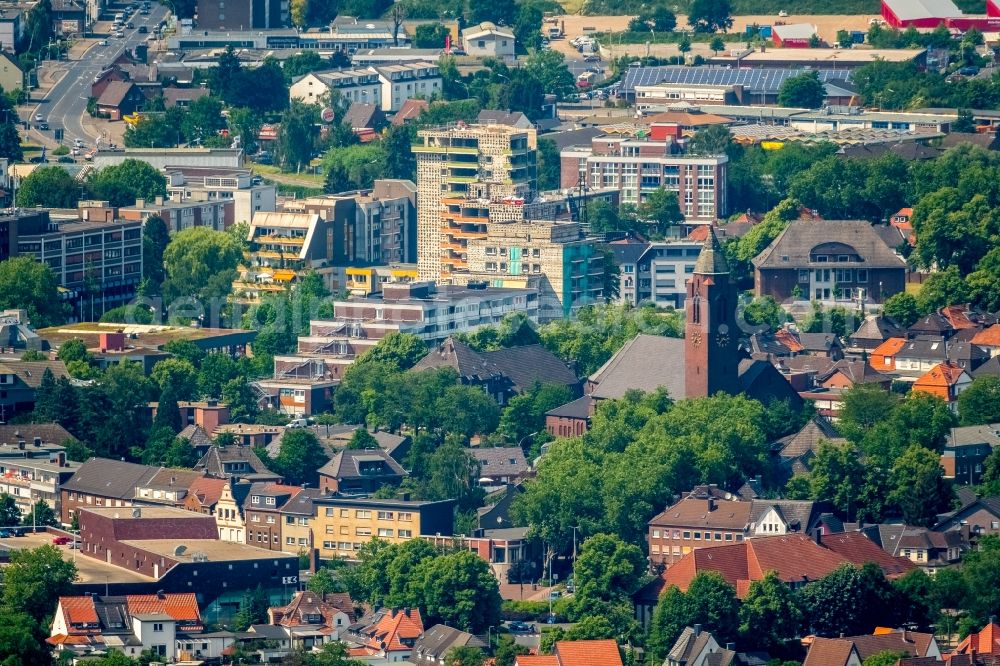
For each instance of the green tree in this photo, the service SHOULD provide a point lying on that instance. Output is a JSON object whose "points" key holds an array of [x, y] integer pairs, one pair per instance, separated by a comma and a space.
{"points": [[123, 183], [35, 579], [245, 124], [940, 289], [981, 579], [980, 402], [770, 614], [31, 285], [467, 411], [849, 602], [297, 138], [844, 39], [155, 238], [710, 15], [324, 582], [10, 514], [153, 132], [302, 63], [885, 658], [460, 590], [10, 142], [430, 36], [717, 44], [607, 569], [548, 165], [242, 403], [464, 655], [253, 608], [299, 457], [22, 640], [49, 187], [548, 68], [919, 487], [506, 651], [400, 350], [684, 44], [863, 407], [452, 473], [203, 119], [802, 91], [661, 210], [765, 311], [200, 262], [902, 309], [836, 477], [168, 414], [179, 375], [398, 146], [41, 514]]}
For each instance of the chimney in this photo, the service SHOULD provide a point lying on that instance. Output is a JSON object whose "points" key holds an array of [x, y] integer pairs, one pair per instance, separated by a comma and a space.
{"points": [[731, 647], [711, 504], [38, 442], [20, 445], [697, 629]]}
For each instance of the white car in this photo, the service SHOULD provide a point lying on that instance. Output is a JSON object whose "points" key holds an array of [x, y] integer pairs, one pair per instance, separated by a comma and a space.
{"points": [[783, 13], [38, 118], [103, 42]]}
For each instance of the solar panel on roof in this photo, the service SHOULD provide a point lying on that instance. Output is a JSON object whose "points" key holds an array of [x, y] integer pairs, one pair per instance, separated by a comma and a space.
{"points": [[753, 80]]}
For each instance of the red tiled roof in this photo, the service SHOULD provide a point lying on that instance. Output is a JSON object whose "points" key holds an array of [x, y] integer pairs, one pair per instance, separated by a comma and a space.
{"points": [[957, 316], [859, 549], [536, 660], [787, 338], [182, 606], [988, 337], [392, 627], [986, 641], [587, 653], [207, 490], [828, 652], [794, 557], [890, 347], [942, 374], [78, 610]]}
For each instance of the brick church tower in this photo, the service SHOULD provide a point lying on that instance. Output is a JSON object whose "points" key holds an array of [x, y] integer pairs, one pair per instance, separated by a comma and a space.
{"points": [[710, 334]]}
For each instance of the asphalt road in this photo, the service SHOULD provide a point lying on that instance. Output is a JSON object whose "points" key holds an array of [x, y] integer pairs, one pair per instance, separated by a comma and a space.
{"points": [[66, 102]]}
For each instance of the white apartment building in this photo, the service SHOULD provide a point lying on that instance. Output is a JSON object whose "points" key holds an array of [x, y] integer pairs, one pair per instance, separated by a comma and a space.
{"points": [[354, 85]]}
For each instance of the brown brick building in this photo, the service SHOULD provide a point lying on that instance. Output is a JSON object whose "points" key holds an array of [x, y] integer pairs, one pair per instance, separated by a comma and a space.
{"points": [[262, 511]]}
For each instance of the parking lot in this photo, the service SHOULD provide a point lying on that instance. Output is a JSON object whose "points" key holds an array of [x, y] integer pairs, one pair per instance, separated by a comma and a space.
{"points": [[88, 569]]}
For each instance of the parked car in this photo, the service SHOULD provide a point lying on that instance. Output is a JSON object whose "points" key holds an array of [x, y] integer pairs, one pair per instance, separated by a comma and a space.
{"points": [[38, 118], [6, 534], [782, 13], [130, 25], [42, 125], [593, 57], [143, 30], [103, 42], [61, 540], [520, 627], [554, 619]]}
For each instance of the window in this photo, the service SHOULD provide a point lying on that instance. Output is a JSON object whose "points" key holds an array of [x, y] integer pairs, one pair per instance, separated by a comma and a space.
{"points": [[363, 531], [687, 535], [157, 626], [862, 275], [405, 516], [385, 532], [656, 534], [804, 276], [405, 534], [385, 515], [697, 536], [344, 513], [363, 514], [290, 541], [269, 501]]}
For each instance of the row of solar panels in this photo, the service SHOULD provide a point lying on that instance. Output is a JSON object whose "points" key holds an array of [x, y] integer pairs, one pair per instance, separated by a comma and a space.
{"points": [[753, 80]]}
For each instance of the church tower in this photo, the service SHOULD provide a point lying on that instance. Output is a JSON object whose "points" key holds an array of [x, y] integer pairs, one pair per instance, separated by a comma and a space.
{"points": [[711, 334]]}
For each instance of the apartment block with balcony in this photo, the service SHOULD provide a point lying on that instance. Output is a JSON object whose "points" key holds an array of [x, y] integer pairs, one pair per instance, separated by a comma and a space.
{"points": [[636, 164], [556, 257], [34, 471], [217, 214], [341, 526], [461, 170], [282, 246], [96, 257], [658, 274]]}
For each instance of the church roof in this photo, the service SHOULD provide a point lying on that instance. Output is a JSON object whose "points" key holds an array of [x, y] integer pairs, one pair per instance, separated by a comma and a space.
{"points": [[711, 260]]}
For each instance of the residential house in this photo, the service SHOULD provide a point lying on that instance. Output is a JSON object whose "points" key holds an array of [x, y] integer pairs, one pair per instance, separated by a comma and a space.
{"points": [[984, 643], [575, 653], [11, 74], [796, 558], [131, 624], [342, 525], [33, 468], [411, 109], [902, 220], [800, 447], [704, 518], [120, 99], [826, 387], [296, 520], [403, 81], [909, 359], [821, 344], [843, 651], [197, 437], [182, 97], [487, 40], [104, 482], [250, 435], [502, 373], [204, 494], [859, 549], [513, 555], [697, 647], [933, 324], [352, 85], [965, 451], [875, 330], [946, 381], [830, 261], [989, 339], [261, 508], [239, 461], [501, 465], [360, 472], [571, 419], [926, 548], [365, 120], [228, 512], [509, 118], [435, 644], [18, 382], [389, 633], [979, 517], [312, 619]]}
